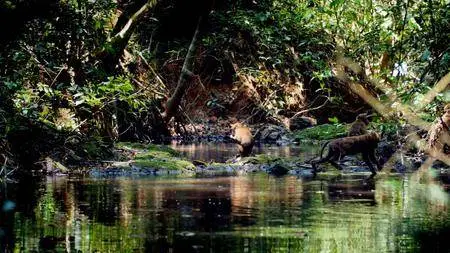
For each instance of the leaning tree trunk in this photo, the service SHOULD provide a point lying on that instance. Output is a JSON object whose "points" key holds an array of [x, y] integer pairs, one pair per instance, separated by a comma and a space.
{"points": [[113, 50], [186, 72]]}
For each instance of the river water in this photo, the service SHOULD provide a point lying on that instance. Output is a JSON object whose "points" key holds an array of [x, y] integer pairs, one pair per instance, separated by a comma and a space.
{"points": [[221, 152], [254, 213]]}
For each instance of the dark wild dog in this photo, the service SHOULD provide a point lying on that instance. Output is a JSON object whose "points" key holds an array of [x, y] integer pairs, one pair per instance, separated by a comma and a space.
{"points": [[359, 126], [365, 144]]}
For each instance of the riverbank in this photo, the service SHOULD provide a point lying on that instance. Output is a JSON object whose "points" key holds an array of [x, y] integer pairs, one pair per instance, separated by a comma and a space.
{"points": [[298, 148]]}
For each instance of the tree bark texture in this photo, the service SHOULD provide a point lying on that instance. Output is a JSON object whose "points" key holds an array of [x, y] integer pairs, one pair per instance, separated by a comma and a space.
{"points": [[119, 40]]}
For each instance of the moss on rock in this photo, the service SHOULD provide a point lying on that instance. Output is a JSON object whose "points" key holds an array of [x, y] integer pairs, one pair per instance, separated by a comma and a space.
{"points": [[168, 164], [156, 157], [321, 132]]}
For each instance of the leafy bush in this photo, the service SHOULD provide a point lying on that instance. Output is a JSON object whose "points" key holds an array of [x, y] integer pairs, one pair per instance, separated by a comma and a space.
{"points": [[322, 132]]}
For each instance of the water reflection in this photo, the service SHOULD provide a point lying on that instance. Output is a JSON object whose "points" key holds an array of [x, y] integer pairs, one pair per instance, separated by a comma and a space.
{"points": [[220, 152], [257, 213]]}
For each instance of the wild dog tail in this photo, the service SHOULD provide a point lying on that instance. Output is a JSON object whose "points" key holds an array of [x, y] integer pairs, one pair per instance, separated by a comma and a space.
{"points": [[323, 148], [313, 160]]}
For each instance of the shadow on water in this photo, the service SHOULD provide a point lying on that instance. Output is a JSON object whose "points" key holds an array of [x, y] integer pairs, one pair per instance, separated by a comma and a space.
{"points": [[21, 197], [256, 213]]}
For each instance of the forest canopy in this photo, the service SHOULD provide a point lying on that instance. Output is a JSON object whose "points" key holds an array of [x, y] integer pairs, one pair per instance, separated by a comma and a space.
{"points": [[77, 75]]}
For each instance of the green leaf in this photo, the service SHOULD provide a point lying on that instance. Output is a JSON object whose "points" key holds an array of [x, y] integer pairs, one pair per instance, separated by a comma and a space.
{"points": [[425, 55], [336, 3], [333, 120]]}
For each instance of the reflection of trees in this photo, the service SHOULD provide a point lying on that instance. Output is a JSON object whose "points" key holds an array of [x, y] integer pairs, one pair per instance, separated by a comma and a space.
{"points": [[218, 152], [403, 207], [102, 201], [128, 199], [221, 152], [360, 190], [276, 196], [23, 197], [257, 213]]}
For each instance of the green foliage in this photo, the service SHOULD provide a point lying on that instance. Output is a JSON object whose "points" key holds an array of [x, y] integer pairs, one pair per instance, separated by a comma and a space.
{"points": [[334, 120], [298, 39], [272, 31], [322, 132], [95, 147], [273, 45], [58, 109], [105, 93], [56, 80], [47, 206], [387, 128], [412, 33]]}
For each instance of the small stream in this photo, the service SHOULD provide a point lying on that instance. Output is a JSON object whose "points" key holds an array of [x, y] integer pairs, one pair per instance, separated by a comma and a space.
{"points": [[221, 152], [253, 213]]}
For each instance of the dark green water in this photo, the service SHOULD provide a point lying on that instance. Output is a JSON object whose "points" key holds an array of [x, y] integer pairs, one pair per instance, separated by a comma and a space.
{"points": [[257, 213]]}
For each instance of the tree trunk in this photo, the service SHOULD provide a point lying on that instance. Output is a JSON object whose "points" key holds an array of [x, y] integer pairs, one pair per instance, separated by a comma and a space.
{"points": [[112, 52], [114, 49], [175, 100]]}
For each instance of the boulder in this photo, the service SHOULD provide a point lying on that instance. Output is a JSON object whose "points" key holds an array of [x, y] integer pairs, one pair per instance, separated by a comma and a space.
{"points": [[270, 133], [385, 150], [278, 170], [301, 122]]}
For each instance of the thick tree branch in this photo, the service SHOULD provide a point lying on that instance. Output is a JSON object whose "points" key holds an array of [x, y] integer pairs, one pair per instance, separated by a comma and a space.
{"points": [[114, 49], [186, 72]]}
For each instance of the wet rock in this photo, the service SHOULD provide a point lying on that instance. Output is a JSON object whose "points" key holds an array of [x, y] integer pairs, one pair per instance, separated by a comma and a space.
{"points": [[278, 170], [216, 170], [417, 160], [304, 166], [284, 140], [8, 206], [270, 133], [199, 163], [52, 167], [400, 167], [302, 172], [301, 122], [126, 172], [385, 150], [356, 169], [265, 167], [348, 161]]}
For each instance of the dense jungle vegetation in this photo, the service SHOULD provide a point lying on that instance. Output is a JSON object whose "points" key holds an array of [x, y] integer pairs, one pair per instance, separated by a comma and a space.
{"points": [[76, 75]]}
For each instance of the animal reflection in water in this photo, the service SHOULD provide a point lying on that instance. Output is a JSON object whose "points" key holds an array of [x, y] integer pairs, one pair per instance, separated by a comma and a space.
{"points": [[354, 190]]}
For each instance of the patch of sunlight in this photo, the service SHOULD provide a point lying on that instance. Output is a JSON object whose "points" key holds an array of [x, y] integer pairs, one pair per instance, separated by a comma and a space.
{"points": [[158, 163], [436, 194]]}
